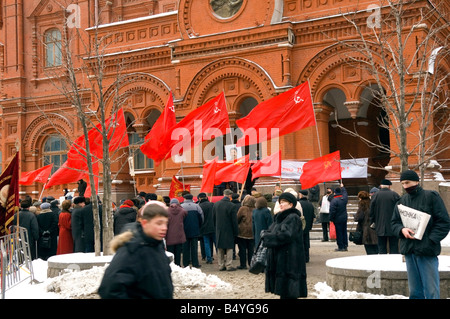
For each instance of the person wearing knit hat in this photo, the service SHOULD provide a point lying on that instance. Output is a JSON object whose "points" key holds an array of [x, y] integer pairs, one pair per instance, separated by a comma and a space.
{"points": [[373, 190], [126, 214], [192, 224], [45, 206], [421, 255], [48, 232], [128, 203], [409, 175], [176, 237], [286, 274]]}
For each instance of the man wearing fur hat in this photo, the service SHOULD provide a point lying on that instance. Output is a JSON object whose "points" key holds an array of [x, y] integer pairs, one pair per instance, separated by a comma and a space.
{"points": [[381, 208], [421, 255]]}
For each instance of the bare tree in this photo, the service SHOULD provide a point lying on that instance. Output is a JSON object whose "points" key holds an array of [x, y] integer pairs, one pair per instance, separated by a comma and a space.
{"points": [[403, 45], [80, 78]]}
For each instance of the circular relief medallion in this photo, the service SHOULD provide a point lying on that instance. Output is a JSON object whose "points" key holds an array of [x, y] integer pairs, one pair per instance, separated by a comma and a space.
{"points": [[225, 8]]}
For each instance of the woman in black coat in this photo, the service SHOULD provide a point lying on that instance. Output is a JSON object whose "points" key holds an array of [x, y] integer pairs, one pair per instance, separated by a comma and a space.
{"points": [[286, 266]]}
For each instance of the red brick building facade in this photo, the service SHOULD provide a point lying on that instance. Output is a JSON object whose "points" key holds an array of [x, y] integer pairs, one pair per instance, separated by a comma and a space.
{"points": [[250, 50]]}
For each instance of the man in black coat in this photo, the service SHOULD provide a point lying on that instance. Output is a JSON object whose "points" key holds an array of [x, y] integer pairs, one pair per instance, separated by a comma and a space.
{"points": [[382, 206], [88, 227], [207, 230], [308, 213], [421, 255], [28, 220], [338, 215], [140, 268], [225, 219]]}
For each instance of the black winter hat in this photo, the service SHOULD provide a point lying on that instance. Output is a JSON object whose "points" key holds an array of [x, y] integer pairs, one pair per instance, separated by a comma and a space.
{"points": [[386, 182], [79, 200], [188, 196], [409, 175], [288, 197]]}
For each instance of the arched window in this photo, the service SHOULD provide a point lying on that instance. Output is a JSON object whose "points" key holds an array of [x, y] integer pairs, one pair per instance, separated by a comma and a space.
{"points": [[53, 53], [55, 151], [141, 162]]}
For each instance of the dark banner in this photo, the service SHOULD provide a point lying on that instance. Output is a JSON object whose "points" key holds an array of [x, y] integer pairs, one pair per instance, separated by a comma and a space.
{"points": [[9, 194]]}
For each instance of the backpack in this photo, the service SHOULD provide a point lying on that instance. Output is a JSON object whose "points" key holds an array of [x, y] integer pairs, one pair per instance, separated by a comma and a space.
{"points": [[45, 239]]}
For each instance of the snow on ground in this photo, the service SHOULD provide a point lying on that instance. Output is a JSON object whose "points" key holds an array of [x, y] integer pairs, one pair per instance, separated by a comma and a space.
{"points": [[81, 284], [323, 291]]}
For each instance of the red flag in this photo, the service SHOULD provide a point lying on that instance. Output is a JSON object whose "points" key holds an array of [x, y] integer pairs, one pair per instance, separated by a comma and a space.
{"points": [[321, 169], [232, 171], [210, 119], [156, 141], [176, 187], [209, 172], [116, 133], [75, 168], [268, 166], [68, 173], [9, 193], [40, 175], [289, 112]]}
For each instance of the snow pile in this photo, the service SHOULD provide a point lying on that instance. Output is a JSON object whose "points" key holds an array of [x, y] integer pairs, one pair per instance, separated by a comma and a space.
{"points": [[77, 284], [82, 284], [187, 279], [326, 292]]}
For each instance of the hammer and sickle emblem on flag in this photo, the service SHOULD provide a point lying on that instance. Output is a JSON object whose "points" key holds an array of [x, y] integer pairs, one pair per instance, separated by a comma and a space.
{"points": [[217, 109], [298, 99], [239, 163], [327, 164], [172, 108]]}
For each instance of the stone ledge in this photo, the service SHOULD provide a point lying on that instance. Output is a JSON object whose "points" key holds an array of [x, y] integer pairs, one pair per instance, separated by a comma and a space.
{"points": [[378, 274], [76, 261]]}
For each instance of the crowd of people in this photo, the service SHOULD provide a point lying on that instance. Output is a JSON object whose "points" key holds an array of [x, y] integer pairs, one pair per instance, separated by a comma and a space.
{"points": [[232, 227]]}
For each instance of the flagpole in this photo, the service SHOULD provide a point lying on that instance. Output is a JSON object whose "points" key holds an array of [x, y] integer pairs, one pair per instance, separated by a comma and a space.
{"points": [[182, 174], [315, 120], [43, 188], [242, 190]]}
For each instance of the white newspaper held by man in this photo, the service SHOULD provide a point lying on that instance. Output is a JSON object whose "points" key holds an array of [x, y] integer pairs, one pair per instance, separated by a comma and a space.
{"points": [[414, 219]]}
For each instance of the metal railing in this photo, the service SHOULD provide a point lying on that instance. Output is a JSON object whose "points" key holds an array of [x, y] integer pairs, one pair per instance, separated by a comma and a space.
{"points": [[16, 264]]}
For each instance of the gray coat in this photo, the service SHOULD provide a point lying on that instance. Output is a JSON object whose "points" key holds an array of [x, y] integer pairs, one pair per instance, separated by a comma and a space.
{"points": [[225, 219]]}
